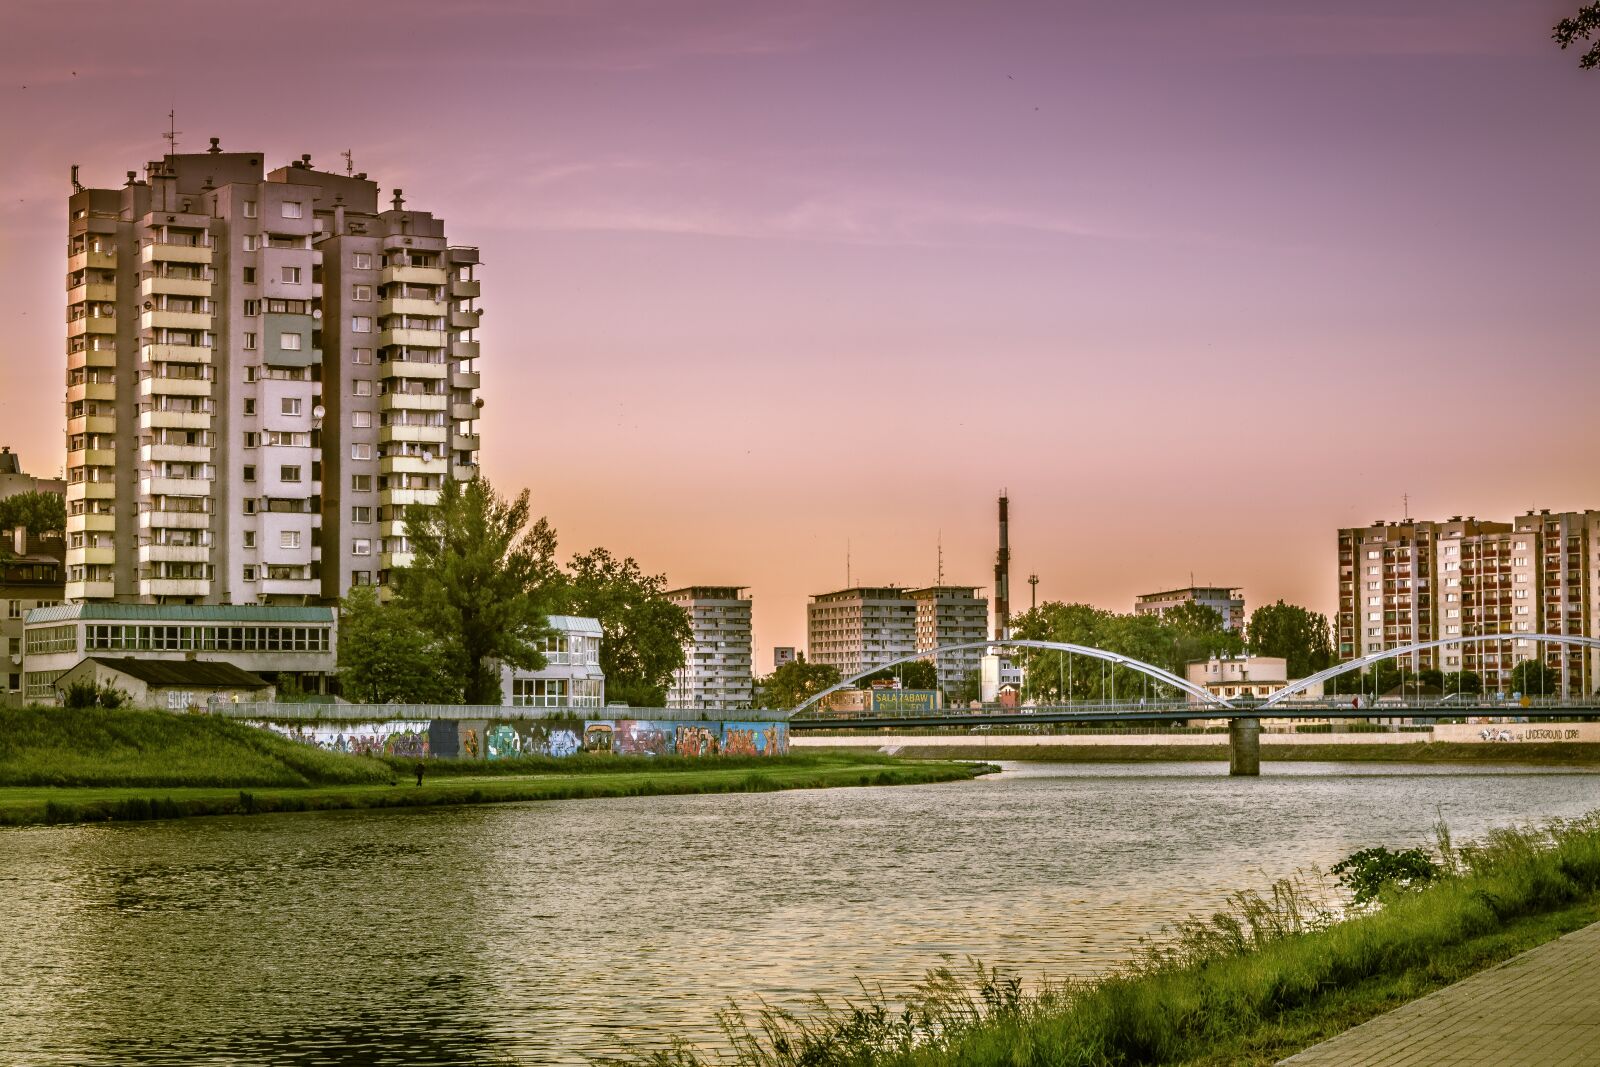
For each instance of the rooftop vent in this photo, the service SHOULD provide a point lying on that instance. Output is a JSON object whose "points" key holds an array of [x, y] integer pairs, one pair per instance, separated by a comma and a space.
{"points": [[216, 146]]}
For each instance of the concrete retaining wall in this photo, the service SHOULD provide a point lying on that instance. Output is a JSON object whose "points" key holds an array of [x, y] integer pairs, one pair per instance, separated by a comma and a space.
{"points": [[488, 738]]}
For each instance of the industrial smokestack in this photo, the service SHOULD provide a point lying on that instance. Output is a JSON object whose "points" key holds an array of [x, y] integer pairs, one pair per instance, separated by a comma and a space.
{"points": [[1002, 575]]}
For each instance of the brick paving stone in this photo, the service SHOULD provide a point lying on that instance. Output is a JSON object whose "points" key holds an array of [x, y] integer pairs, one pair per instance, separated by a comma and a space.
{"points": [[1539, 1009]]}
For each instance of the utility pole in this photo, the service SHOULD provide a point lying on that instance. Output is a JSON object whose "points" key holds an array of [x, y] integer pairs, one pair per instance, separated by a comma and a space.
{"points": [[1033, 591]]}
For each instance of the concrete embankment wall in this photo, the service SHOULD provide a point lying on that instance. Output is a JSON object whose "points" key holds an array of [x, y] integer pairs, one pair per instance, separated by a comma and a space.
{"points": [[489, 738]]}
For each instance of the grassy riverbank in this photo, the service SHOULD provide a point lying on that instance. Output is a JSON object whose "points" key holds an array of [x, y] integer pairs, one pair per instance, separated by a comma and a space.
{"points": [[1273, 974], [65, 765], [1582, 753]]}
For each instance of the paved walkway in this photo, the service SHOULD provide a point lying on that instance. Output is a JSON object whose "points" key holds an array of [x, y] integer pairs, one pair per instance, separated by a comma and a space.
{"points": [[1539, 1009]]}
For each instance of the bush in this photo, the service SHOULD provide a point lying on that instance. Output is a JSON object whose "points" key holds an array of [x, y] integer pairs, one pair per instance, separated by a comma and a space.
{"points": [[1367, 872]]}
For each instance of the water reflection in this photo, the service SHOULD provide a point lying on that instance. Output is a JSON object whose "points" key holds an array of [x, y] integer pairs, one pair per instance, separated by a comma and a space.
{"points": [[541, 933]]}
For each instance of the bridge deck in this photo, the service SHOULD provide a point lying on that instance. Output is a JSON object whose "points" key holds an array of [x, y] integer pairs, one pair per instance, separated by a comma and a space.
{"points": [[1539, 1009]]}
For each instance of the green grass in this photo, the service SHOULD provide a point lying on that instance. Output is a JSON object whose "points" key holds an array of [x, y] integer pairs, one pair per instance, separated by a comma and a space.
{"points": [[1418, 752], [131, 747], [28, 805], [1260, 980]]}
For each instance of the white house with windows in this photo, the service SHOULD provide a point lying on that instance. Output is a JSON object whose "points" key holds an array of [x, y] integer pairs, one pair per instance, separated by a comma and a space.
{"points": [[571, 677]]}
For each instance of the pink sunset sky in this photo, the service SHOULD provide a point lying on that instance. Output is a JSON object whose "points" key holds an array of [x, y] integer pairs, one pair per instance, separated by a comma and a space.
{"points": [[1198, 283]]}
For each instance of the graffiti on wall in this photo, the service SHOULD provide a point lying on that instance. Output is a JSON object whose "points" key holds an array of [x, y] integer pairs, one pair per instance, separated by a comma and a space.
{"points": [[597, 736], [699, 739], [533, 737], [405, 739], [643, 737], [755, 739]]}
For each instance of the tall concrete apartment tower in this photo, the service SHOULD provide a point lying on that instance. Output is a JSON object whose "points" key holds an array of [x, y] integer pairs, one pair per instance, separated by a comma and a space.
{"points": [[263, 371], [716, 673]]}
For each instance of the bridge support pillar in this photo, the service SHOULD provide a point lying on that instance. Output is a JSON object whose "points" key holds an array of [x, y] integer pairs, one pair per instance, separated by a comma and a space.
{"points": [[1244, 747]]}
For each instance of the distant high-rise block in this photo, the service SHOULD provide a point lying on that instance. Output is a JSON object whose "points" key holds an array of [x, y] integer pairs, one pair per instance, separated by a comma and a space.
{"points": [[1227, 601], [717, 668], [263, 371]]}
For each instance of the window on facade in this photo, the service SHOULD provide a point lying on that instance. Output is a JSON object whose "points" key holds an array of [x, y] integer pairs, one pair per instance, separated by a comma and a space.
{"points": [[249, 405], [361, 420], [249, 505], [249, 539], [361, 292], [289, 342], [291, 209], [291, 274], [361, 387], [249, 574], [360, 324], [249, 473], [362, 514], [289, 472], [249, 209], [291, 405], [13, 609], [362, 261], [360, 577], [251, 242], [249, 277], [361, 355], [250, 374], [361, 483], [361, 546], [360, 451], [289, 539]]}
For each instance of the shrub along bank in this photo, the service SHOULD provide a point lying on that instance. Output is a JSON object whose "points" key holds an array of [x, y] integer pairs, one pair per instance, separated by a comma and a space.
{"points": [[1272, 974]]}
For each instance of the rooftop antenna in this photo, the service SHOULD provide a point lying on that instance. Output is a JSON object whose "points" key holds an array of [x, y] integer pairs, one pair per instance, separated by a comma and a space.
{"points": [[939, 579], [847, 563], [171, 136], [349, 162], [1405, 505]]}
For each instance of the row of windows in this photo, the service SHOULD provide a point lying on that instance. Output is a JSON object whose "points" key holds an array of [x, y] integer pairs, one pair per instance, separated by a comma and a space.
{"points": [[568, 649], [140, 638], [555, 693], [48, 639], [40, 685]]}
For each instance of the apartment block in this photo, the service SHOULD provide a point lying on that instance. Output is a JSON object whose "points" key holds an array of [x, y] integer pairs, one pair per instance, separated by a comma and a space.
{"points": [[717, 669], [30, 577], [1224, 600], [860, 628], [950, 615], [1401, 583], [263, 371]]}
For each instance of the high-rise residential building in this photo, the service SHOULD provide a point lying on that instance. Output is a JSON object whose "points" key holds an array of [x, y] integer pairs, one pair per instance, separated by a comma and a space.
{"points": [[859, 628], [717, 669], [263, 371], [30, 577], [1224, 600], [1409, 582], [950, 615]]}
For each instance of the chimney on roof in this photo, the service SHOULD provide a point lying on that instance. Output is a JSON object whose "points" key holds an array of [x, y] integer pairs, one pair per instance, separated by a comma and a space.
{"points": [[216, 146], [399, 201], [305, 160]]}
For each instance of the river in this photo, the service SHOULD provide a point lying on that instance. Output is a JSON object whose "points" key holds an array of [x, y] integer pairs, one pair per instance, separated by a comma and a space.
{"points": [[547, 933]]}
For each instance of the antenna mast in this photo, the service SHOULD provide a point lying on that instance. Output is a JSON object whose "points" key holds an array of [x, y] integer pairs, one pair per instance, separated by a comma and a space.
{"points": [[349, 162], [171, 136]]}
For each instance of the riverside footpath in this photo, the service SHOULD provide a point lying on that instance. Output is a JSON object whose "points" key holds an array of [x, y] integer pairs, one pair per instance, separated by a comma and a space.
{"points": [[1539, 1009]]}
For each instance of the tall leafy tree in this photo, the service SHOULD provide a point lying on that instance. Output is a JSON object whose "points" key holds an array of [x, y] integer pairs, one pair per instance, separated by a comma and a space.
{"points": [[792, 683], [918, 674], [1581, 27], [39, 512], [1534, 678], [644, 633], [481, 583], [1298, 635], [385, 657]]}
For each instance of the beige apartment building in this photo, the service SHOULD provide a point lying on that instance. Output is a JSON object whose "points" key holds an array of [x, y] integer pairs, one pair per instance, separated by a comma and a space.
{"points": [[951, 615], [717, 669], [1227, 601], [263, 370], [1401, 583]]}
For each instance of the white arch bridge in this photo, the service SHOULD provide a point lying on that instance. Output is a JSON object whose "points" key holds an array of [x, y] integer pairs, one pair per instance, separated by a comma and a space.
{"points": [[1198, 702]]}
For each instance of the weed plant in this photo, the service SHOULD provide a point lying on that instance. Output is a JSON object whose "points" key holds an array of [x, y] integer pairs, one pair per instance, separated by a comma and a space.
{"points": [[1208, 984]]}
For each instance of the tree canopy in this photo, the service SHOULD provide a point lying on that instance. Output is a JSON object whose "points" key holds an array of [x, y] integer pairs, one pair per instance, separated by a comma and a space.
{"points": [[1298, 635], [644, 633], [1581, 27], [918, 674], [39, 512], [385, 657], [481, 583], [1533, 678], [792, 683]]}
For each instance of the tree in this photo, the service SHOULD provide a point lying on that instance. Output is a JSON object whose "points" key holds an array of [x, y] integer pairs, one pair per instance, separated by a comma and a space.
{"points": [[918, 674], [39, 512], [792, 683], [481, 583], [386, 657], [1288, 630], [1582, 26], [1197, 632], [1467, 683], [1533, 678], [970, 689], [645, 633]]}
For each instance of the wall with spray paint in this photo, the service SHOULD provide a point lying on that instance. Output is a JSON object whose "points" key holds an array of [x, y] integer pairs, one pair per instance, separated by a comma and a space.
{"points": [[511, 738]]}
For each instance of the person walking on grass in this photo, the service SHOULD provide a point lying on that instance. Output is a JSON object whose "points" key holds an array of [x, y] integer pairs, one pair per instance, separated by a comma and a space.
{"points": [[419, 773]]}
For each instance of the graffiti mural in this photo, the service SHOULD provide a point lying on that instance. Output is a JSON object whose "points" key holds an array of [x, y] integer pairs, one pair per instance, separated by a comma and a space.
{"points": [[755, 739], [699, 739], [597, 736], [643, 737], [533, 737], [408, 740]]}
